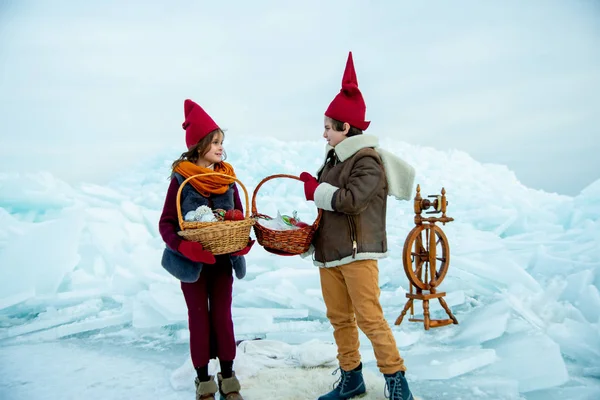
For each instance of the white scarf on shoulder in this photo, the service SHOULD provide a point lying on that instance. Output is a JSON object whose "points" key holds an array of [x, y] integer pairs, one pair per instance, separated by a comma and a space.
{"points": [[400, 175]]}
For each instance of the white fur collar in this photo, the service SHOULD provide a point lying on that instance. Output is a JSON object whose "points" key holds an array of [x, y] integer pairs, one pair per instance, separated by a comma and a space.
{"points": [[349, 146], [399, 173]]}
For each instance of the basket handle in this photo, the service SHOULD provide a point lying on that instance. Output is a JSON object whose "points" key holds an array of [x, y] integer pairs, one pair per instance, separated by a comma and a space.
{"points": [[180, 217], [268, 178]]}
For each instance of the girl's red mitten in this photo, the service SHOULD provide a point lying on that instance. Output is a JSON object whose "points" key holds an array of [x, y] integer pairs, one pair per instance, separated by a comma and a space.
{"points": [[195, 252]]}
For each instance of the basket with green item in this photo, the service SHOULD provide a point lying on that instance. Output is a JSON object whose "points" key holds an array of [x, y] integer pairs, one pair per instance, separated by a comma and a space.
{"points": [[282, 234]]}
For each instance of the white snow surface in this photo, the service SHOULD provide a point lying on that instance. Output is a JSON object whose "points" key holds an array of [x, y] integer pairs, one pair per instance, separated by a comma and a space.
{"points": [[87, 311]]}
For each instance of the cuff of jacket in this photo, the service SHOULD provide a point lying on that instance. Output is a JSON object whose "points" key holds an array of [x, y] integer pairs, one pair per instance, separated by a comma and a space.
{"points": [[324, 196], [309, 252]]}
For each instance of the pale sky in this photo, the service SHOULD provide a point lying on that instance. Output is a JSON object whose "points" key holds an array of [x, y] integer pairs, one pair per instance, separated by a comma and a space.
{"points": [[88, 87]]}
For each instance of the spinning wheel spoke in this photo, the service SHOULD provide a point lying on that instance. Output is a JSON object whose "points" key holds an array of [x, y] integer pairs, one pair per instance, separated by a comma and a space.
{"points": [[418, 269], [432, 258], [427, 262]]}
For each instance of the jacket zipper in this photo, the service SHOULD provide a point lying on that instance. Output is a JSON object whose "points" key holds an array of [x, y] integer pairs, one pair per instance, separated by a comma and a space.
{"points": [[353, 236]]}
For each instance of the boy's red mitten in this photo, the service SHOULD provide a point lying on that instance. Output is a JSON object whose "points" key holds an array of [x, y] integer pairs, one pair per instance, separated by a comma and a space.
{"points": [[310, 185], [195, 252], [245, 250]]}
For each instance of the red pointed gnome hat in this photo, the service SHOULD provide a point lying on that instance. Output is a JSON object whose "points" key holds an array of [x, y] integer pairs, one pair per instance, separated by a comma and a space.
{"points": [[197, 123], [349, 105]]}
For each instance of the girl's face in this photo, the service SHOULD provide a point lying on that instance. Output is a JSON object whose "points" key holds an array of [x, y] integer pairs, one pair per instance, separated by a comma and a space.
{"points": [[214, 153], [332, 136]]}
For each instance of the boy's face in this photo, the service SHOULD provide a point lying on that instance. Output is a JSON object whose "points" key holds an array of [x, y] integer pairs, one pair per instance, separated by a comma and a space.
{"points": [[332, 136]]}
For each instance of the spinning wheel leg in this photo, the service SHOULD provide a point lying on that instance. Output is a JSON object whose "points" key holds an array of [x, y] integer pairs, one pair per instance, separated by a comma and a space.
{"points": [[406, 307], [443, 303], [426, 314]]}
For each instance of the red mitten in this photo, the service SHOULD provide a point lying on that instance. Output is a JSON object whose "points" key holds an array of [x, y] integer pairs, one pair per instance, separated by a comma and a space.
{"points": [[245, 250], [310, 185], [195, 252], [278, 252]]}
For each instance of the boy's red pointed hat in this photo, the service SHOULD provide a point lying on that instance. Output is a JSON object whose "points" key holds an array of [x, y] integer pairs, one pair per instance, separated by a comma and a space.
{"points": [[349, 105]]}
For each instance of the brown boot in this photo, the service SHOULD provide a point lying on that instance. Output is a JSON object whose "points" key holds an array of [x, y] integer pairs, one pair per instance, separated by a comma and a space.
{"points": [[206, 390], [229, 387]]}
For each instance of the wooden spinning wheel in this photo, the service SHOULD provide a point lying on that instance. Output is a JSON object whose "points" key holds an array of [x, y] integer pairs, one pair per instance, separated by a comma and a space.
{"points": [[426, 258]]}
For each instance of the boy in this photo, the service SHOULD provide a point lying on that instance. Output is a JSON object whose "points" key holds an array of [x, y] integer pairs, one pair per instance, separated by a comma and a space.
{"points": [[352, 188]]}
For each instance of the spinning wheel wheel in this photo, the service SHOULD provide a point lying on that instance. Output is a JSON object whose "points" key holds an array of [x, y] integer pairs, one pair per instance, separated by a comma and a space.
{"points": [[426, 258]]}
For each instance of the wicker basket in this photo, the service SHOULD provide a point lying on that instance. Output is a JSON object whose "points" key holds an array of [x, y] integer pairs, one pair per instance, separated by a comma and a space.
{"points": [[295, 241], [220, 237]]}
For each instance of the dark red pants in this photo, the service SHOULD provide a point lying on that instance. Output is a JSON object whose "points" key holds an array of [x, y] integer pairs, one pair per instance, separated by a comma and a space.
{"points": [[209, 313]]}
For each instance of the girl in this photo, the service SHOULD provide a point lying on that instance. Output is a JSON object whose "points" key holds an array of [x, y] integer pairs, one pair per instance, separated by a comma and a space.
{"points": [[352, 189], [206, 280]]}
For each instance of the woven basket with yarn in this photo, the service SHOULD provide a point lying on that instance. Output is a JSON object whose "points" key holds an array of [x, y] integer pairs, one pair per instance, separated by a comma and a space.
{"points": [[219, 237]]}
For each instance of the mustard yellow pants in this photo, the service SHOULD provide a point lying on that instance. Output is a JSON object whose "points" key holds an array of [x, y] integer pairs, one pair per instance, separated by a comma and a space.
{"points": [[351, 295]]}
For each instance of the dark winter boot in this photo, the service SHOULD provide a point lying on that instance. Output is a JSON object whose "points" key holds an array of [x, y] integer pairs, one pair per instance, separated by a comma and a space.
{"points": [[206, 390], [229, 388], [351, 384], [397, 387]]}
